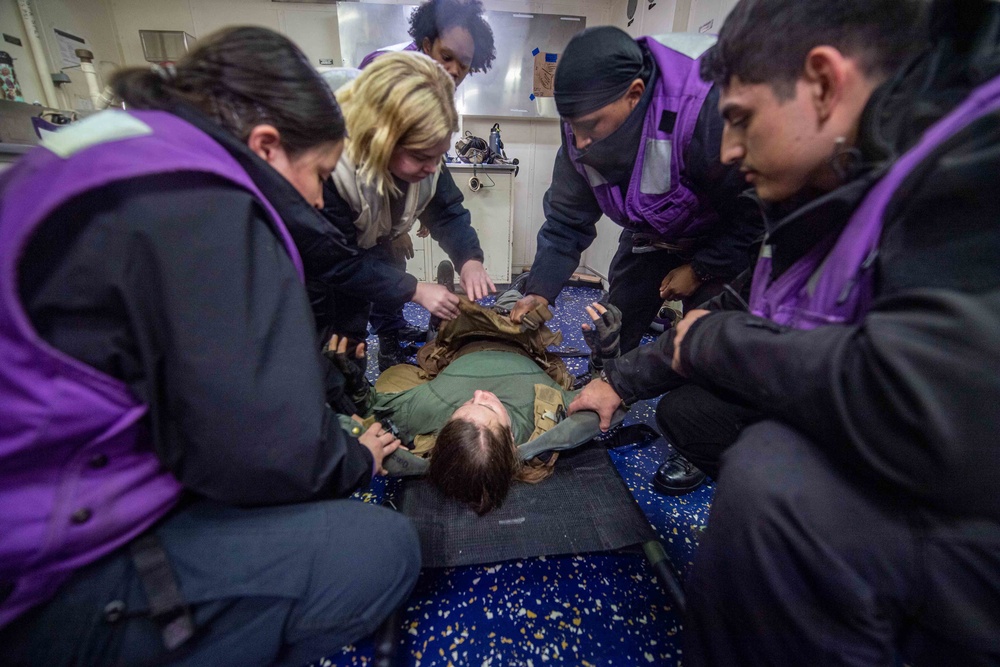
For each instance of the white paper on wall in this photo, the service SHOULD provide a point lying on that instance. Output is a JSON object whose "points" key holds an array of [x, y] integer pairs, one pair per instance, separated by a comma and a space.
{"points": [[68, 44]]}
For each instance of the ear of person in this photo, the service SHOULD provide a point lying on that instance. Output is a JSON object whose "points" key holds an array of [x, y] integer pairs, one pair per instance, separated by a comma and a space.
{"points": [[265, 141], [826, 71]]}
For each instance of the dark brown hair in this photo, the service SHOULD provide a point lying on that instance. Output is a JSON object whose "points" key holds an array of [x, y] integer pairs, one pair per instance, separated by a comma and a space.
{"points": [[474, 464], [243, 77], [766, 41]]}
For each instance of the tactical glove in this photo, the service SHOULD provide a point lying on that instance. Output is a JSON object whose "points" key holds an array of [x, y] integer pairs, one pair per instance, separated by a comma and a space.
{"points": [[604, 335], [356, 384]]}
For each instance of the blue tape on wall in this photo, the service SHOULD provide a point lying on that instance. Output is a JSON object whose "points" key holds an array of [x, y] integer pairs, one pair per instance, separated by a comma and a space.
{"points": [[535, 52]]}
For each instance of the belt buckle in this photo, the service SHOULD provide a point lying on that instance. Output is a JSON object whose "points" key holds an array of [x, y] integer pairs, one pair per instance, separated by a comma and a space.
{"points": [[642, 244]]}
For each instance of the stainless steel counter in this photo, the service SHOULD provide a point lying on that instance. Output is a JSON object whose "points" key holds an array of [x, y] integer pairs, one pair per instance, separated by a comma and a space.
{"points": [[465, 166]]}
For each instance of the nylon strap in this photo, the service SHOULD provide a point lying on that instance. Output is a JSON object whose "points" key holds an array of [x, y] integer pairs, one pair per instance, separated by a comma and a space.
{"points": [[166, 604]]}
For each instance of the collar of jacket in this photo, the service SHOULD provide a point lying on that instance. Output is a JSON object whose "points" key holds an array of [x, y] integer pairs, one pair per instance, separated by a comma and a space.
{"points": [[374, 215], [794, 234]]}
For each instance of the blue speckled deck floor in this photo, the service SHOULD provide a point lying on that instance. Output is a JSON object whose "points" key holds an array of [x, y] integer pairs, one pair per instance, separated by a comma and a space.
{"points": [[596, 609]]}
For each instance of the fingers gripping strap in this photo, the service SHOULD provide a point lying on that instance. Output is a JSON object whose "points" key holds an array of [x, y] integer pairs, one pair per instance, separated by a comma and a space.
{"points": [[535, 318]]}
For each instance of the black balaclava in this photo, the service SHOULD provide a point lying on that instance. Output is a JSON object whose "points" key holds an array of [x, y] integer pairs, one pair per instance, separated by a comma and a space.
{"points": [[596, 69]]}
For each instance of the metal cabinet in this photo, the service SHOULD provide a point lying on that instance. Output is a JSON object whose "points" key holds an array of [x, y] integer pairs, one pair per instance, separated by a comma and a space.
{"points": [[492, 209]]}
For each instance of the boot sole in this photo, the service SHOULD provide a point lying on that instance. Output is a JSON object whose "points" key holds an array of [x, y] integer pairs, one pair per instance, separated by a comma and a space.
{"points": [[664, 490]]}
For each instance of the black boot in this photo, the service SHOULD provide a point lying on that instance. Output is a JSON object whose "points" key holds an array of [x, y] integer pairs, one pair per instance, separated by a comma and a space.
{"points": [[677, 476], [519, 282], [411, 333], [446, 277], [389, 352]]}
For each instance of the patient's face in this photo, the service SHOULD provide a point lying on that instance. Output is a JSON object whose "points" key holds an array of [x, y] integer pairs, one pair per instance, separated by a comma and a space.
{"points": [[484, 408]]}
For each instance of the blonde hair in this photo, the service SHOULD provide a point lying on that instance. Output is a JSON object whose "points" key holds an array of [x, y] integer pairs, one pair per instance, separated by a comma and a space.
{"points": [[401, 99]]}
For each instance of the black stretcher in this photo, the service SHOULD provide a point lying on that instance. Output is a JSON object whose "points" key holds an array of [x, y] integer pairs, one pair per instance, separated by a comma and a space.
{"points": [[584, 507]]}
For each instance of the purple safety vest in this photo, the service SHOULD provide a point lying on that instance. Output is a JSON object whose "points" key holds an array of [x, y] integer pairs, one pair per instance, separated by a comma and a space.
{"points": [[834, 282], [659, 195], [367, 60], [78, 475]]}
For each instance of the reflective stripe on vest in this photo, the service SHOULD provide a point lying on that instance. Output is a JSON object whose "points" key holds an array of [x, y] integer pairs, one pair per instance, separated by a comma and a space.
{"points": [[658, 195]]}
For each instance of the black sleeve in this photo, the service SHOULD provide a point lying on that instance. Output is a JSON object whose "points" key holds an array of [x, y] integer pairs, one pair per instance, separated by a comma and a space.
{"points": [[912, 394], [571, 215], [364, 275], [735, 295], [319, 282], [450, 223], [645, 372], [725, 251], [323, 247], [198, 307]]}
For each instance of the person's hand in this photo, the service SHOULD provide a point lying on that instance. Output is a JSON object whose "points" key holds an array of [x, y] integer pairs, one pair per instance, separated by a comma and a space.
{"points": [[380, 443], [356, 384], [423, 231], [525, 305], [599, 397], [402, 246], [603, 337], [680, 331], [437, 299], [679, 283], [475, 281], [336, 350]]}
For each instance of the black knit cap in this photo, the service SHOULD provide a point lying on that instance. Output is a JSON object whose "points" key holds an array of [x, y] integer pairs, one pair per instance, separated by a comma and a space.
{"points": [[596, 69]]}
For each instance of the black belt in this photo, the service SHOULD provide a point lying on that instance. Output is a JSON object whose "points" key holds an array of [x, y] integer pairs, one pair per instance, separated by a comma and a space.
{"points": [[643, 242]]}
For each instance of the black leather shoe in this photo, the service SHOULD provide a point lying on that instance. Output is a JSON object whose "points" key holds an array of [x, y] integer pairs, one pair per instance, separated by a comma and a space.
{"points": [[677, 476], [411, 334]]}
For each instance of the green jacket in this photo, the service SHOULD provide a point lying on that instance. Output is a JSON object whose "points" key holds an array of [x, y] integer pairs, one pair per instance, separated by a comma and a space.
{"points": [[426, 408]]}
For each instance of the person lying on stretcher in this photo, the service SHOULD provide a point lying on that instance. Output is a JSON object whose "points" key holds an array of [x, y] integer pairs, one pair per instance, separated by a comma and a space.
{"points": [[480, 401]]}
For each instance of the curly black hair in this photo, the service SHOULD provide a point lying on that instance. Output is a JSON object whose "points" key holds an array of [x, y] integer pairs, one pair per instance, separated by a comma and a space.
{"points": [[435, 16]]}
